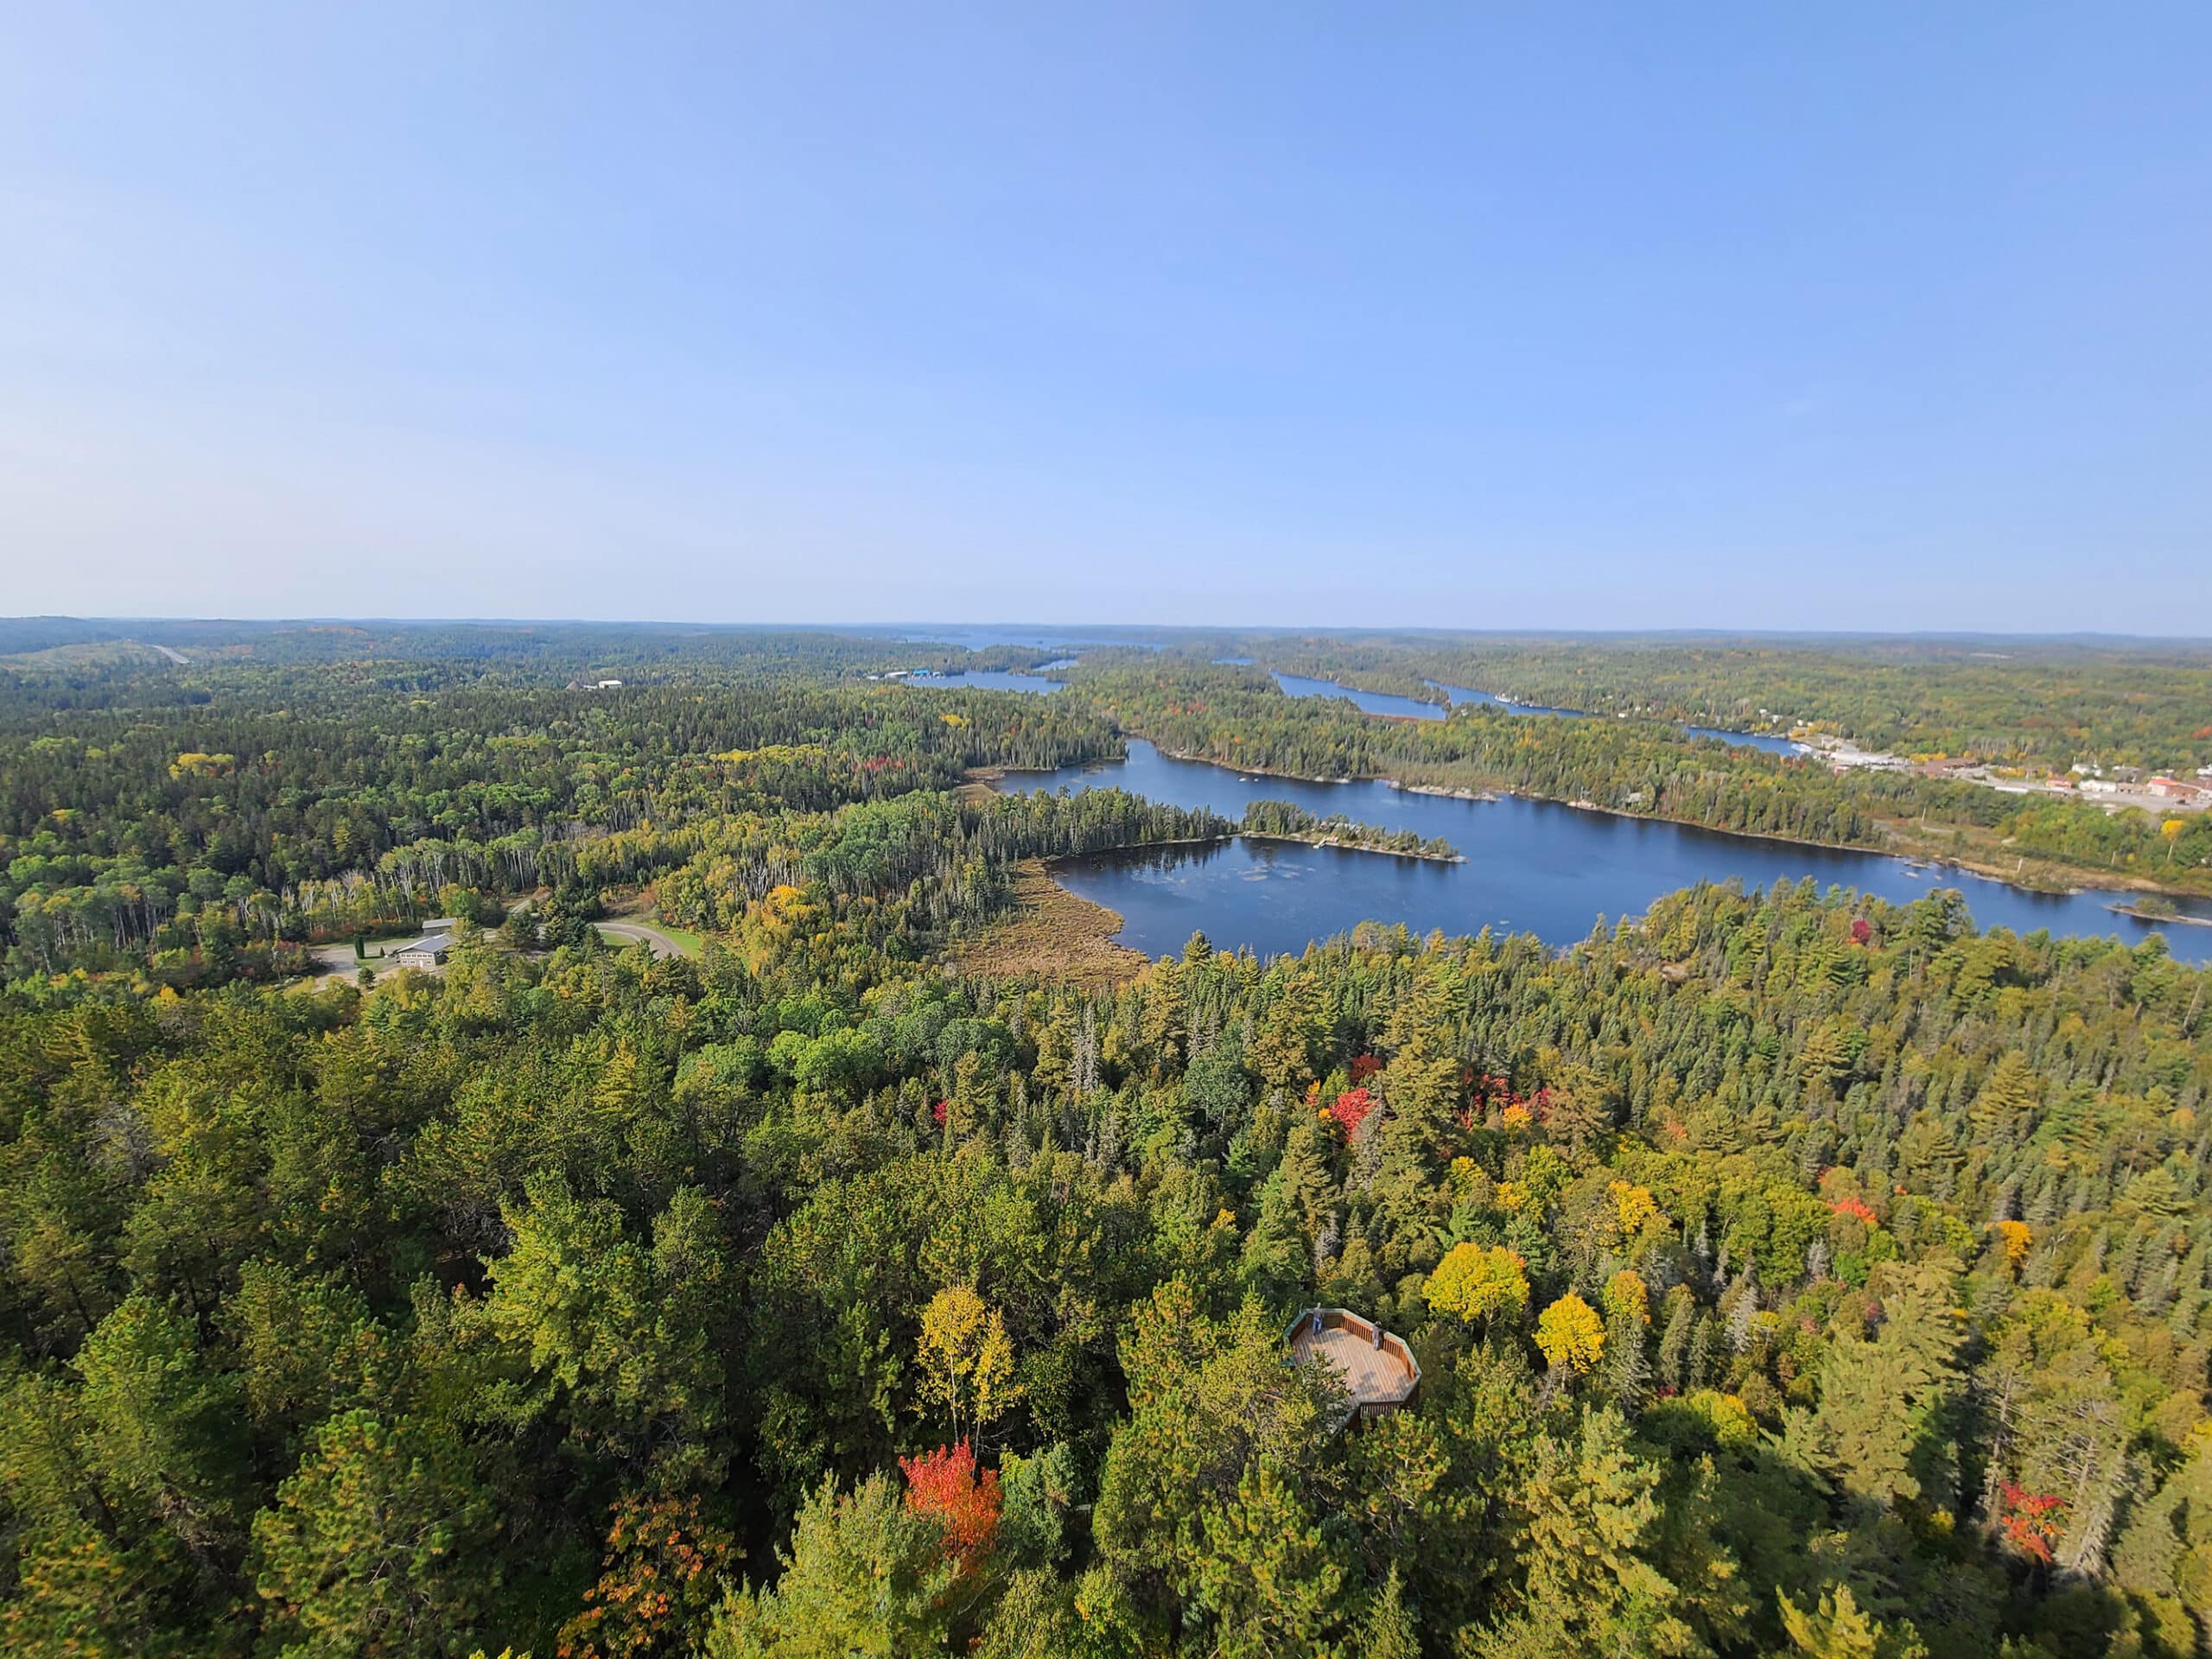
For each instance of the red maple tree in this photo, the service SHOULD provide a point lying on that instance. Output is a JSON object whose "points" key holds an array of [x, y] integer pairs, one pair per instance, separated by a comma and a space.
{"points": [[2029, 1520], [1351, 1108], [944, 1485]]}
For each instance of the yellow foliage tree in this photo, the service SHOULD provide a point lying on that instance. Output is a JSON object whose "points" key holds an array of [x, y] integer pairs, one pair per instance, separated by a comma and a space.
{"points": [[1625, 1294], [967, 1360], [1571, 1334], [1635, 1209], [2016, 1237], [1477, 1282]]}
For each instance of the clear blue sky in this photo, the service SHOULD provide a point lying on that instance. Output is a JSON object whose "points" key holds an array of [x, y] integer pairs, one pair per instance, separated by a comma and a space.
{"points": [[1859, 315]]}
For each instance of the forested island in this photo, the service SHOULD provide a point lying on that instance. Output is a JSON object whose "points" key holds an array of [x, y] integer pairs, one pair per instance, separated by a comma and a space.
{"points": [[1787, 1273], [1282, 821]]}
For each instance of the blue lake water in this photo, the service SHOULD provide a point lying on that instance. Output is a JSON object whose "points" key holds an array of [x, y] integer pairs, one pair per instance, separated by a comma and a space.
{"points": [[989, 680], [1460, 694], [1373, 703], [1377, 702], [1751, 740], [1531, 866]]}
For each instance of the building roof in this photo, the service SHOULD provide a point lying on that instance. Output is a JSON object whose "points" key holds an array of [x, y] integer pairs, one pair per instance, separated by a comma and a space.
{"points": [[435, 943]]}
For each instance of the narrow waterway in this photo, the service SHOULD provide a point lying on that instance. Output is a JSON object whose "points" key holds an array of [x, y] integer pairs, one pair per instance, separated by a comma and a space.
{"points": [[1380, 703], [1531, 866]]}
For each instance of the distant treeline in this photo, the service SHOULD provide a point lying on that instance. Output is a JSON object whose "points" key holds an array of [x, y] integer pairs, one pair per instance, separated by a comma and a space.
{"points": [[2048, 703]]}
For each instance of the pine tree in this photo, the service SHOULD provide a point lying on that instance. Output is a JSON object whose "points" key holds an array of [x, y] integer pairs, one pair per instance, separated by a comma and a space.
{"points": [[1674, 1338], [1628, 1368], [1388, 1631], [1587, 1508], [1268, 1579], [1840, 1631], [864, 1574], [380, 1534], [1879, 1422], [1700, 1368]]}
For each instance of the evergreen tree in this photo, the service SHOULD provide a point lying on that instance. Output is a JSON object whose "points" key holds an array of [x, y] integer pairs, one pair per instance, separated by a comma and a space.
{"points": [[1268, 1580], [1840, 1631], [1388, 1629], [376, 1545], [1587, 1510], [864, 1574]]}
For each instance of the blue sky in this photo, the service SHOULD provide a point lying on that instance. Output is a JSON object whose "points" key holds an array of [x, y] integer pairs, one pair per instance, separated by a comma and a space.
{"points": [[1486, 316]]}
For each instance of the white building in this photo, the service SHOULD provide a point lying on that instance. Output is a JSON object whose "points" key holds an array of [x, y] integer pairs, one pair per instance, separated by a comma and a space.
{"points": [[428, 952]]}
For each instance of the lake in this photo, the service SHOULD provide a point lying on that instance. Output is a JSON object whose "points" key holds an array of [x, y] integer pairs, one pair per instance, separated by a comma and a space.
{"points": [[988, 680], [1531, 867], [1373, 703], [1378, 703], [1751, 740], [1460, 694]]}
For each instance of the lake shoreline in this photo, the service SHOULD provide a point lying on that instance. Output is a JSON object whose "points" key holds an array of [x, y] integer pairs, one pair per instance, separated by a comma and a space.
{"points": [[2133, 914], [1527, 866], [2068, 880], [2076, 882], [1054, 933]]}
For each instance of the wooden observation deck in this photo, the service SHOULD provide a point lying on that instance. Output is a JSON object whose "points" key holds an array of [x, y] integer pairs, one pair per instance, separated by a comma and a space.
{"points": [[1379, 1371]]}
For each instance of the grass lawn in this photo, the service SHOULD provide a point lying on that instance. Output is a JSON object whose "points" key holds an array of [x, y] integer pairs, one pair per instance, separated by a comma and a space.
{"points": [[692, 943]]}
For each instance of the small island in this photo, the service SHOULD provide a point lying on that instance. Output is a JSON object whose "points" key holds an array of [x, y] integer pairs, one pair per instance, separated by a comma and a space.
{"points": [[1285, 821], [2157, 908]]}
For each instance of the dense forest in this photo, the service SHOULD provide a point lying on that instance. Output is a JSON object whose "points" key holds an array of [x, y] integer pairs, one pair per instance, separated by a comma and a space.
{"points": [[203, 837], [203, 819], [1784, 1275], [1787, 1272]]}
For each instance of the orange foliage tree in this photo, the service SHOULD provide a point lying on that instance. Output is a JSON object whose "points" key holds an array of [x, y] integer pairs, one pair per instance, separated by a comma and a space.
{"points": [[659, 1583], [943, 1484]]}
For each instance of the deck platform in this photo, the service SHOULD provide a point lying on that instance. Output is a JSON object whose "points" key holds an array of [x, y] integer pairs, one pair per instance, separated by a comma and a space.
{"points": [[1379, 1376]]}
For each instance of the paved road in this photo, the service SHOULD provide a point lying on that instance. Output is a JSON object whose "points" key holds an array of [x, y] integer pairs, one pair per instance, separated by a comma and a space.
{"points": [[336, 961], [661, 944]]}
